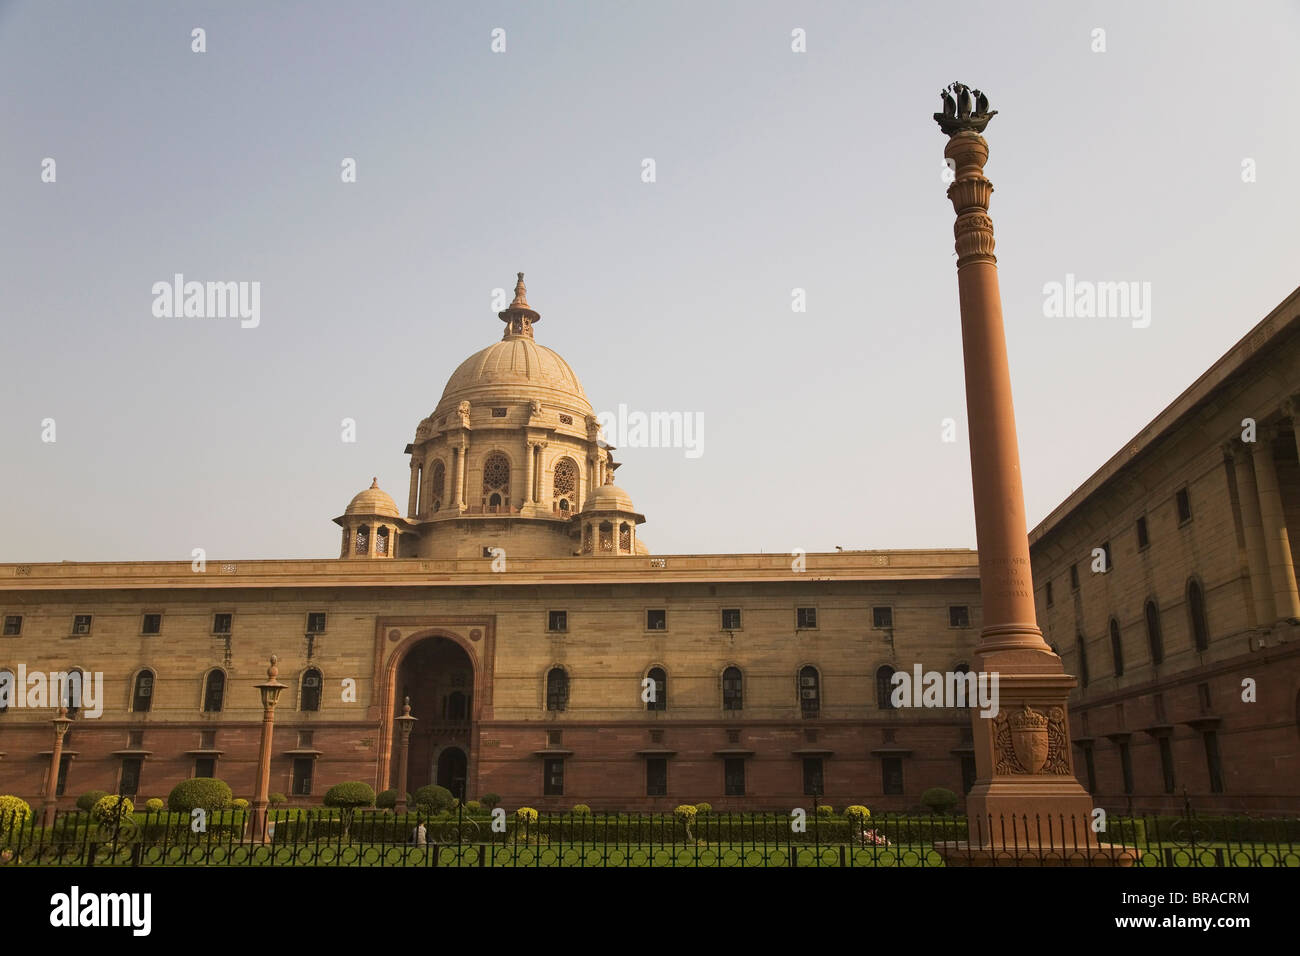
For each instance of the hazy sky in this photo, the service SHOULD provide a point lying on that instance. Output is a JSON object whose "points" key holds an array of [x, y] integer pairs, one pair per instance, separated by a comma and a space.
{"points": [[775, 170]]}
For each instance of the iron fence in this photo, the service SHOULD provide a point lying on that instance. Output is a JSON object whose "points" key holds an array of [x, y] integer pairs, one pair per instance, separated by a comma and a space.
{"points": [[333, 837]]}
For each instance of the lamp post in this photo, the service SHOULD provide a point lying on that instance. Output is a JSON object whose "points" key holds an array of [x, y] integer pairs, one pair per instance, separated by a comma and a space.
{"points": [[1025, 791], [61, 725], [405, 724], [270, 691]]}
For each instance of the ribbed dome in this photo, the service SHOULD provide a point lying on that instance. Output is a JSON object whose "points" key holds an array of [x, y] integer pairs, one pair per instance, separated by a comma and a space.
{"points": [[515, 368], [373, 501], [609, 498]]}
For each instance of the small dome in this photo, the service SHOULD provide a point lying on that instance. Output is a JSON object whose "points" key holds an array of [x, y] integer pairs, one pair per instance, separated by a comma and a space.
{"points": [[373, 501], [609, 498]]}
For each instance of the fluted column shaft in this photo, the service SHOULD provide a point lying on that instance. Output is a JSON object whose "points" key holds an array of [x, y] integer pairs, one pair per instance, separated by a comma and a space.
{"points": [[1277, 541], [1252, 527]]}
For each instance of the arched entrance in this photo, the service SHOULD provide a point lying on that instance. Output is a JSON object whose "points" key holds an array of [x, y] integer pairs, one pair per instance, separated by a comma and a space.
{"points": [[452, 765], [438, 676]]}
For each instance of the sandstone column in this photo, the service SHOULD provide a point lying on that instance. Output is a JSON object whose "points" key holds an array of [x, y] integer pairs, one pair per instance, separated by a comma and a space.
{"points": [[1026, 794], [1281, 569], [459, 452], [528, 475], [1253, 529]]}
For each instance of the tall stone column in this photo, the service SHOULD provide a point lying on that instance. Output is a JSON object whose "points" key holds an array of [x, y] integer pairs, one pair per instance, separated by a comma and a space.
{"points": [[1277, 542], [528, 474], [61, 724], [413, 499], [1252, 527], [459, 452], [1026, 794]]}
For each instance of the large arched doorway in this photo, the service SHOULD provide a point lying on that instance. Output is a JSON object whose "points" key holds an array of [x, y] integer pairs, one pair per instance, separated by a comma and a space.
{"points": [[438, 676], [452, 766]]}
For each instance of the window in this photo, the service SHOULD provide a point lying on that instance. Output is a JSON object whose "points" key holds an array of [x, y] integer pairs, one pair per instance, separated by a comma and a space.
{"points": [[656, 777], [1082, 647], [456, 706], [882, 617], [656, 619], [959, 616], [1116, 648], [805, 618], [135, 739], [812, 776], [1167, 762], [363, 540], [557, 620], [8, 688], [732, 689], [733, 772], [553, 777], [731, 619], [129, 785], [13, 625], [152, 624], [555, 738], [967, 773], [1143, 540], [1154, 638], [496, 478], [205, 767], [62, 783], [1196, 608], [81, 624], [316, 622], [1212, 761], [214, 692], [657, 688], [564, 488], [557, 689], [1090, 768], [809, 692], [70, 693], [1074, 577], [1184, 506], [311, 690], [302, 773], [891, 774], [1126, 765], [207, 739], [1050, 602], [142, 694], [1203, 697], [885, 688], [221, 623], [305, 739], [566, 419], [498, 413], [438, 482]]}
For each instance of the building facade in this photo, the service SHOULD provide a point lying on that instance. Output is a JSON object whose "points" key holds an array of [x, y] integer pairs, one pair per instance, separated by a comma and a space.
{"points": [[551, 658]]}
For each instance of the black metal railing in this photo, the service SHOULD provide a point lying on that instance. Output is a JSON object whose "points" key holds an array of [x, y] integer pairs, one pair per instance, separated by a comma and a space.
{"points": [[334, 837]]}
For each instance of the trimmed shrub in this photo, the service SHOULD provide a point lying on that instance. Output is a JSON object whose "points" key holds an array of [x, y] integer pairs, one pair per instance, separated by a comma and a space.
{"points": [[14, 813], [581, 810], [153, 805], [350, 794], [703, 808], [939, 799], [857, 814], [275, 799], [490, 800], [207, 793], [473, 806], [88, 799], [387, 800], [685, 813], [111, 810], [825, 810], [434, 799], [239, 803]]}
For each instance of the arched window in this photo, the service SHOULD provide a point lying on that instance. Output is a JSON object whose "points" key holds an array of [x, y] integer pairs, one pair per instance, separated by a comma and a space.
{"points": [[71, 692], [658, 689], [884, 687], [362, 545], [1082, 648], [381, 541], [8, 688], [214, 692], [733, 689], [496, 479], [142, 692], [969, 690], [557, 689], [625, 537], [565, 486], [1196, 608], [309, 699], [810, 693], [1153, 633], [1116, 648], [457, 708], [606, 536], [438, 483]]}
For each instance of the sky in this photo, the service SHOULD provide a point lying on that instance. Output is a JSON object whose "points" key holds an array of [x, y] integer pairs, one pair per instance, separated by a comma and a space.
{"points": [[1160, 152]]}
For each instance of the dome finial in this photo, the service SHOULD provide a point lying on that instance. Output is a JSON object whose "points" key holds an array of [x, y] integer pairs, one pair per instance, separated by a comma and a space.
{"points": [[374, 482], [520, 316]]}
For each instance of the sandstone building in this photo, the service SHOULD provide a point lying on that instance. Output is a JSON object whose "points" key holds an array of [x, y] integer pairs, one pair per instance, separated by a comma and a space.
{"points": [[516, 604]]}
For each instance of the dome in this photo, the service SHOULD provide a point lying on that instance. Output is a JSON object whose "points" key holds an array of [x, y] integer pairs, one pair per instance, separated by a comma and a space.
{"points": [[609, 498], [515, 368], [373, 501]]}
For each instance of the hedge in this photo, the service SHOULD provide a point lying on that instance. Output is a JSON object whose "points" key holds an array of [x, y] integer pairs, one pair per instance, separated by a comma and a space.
{"points": [[206, 792]]}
